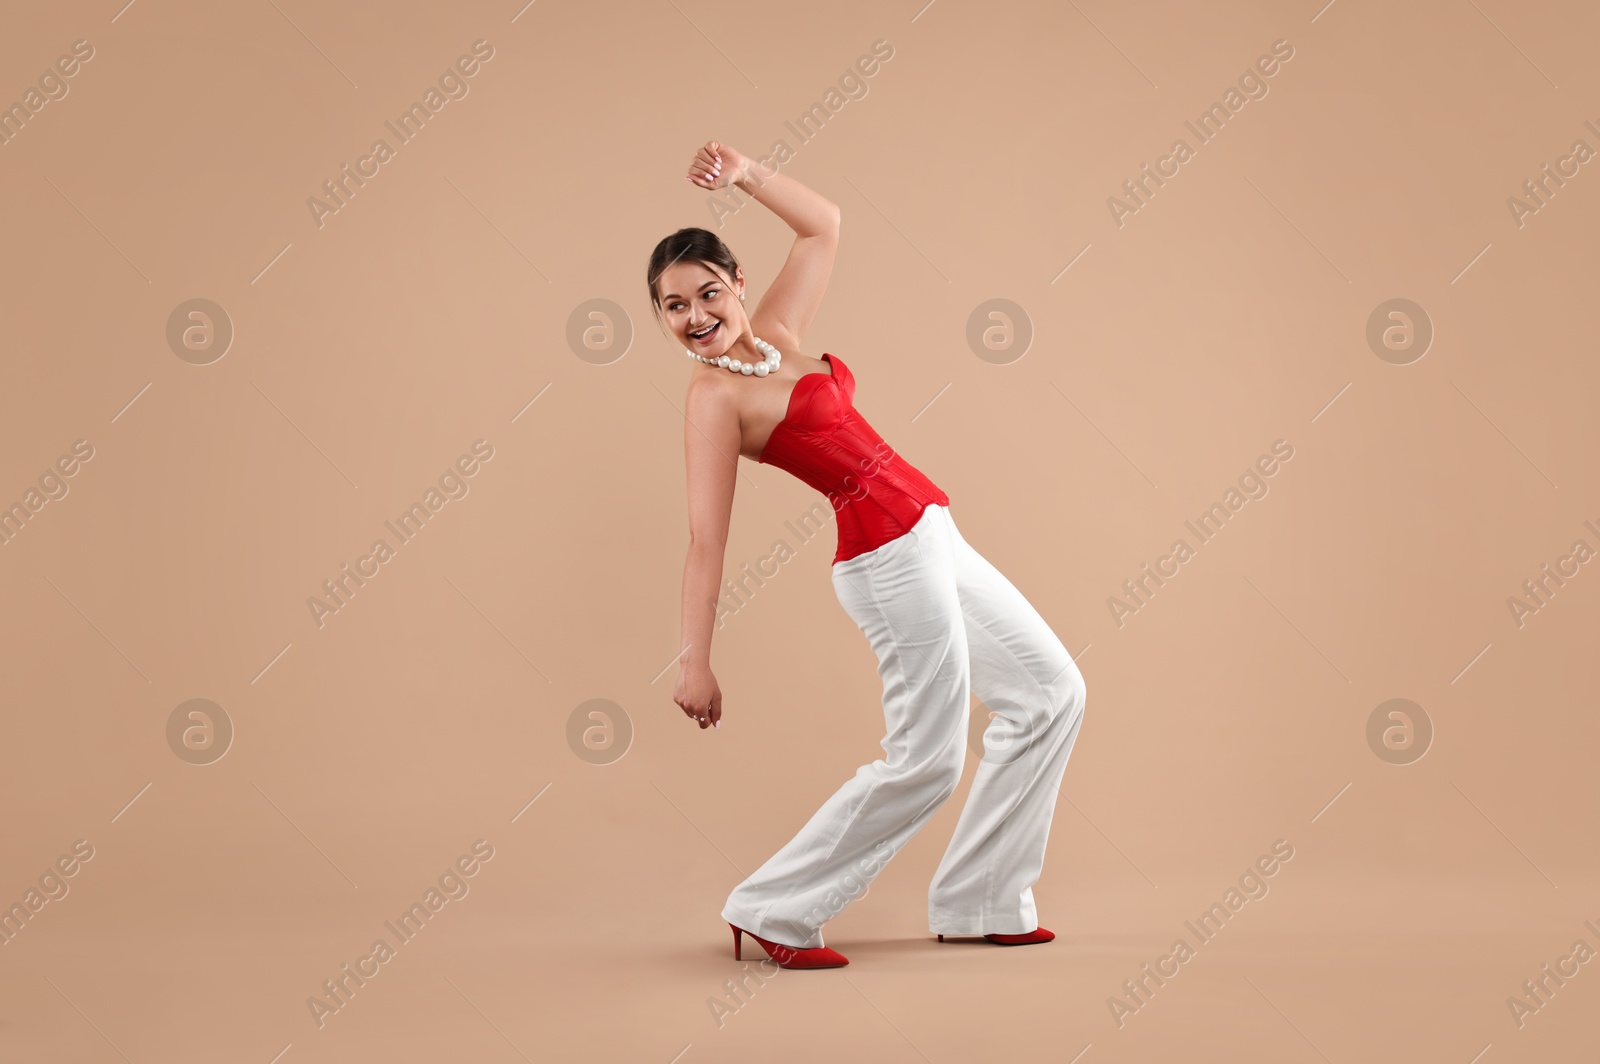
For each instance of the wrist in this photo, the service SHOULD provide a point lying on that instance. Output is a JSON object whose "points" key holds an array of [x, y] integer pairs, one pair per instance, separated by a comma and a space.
{"points": [[748, 173]]}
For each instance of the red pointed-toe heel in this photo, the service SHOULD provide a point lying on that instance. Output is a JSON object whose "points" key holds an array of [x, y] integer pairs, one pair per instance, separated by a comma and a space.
{"points": [[1038, 934], [789, 956]]}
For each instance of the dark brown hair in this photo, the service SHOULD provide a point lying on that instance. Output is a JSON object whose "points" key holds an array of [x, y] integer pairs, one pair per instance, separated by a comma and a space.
{"points": [[692, 245]]}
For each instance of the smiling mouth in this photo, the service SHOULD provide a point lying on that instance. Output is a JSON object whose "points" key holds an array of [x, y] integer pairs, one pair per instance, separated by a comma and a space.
{"points": [[706, 336]]}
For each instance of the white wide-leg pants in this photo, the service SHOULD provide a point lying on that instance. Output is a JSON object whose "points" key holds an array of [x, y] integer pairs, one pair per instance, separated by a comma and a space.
{"points": [[944, 624]]}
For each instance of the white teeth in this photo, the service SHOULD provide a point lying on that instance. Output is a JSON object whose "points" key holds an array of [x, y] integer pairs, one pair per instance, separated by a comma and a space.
{"points": [[704, 331]]}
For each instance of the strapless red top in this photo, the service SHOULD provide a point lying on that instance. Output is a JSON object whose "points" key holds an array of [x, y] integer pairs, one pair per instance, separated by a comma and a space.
{"points": [[823, 440]]}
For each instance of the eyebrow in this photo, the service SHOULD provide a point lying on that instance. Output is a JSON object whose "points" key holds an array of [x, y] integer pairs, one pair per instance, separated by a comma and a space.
{"points": [[674, 295]]}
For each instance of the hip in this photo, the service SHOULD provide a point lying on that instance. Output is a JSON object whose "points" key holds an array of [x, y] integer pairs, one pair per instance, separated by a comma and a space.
{"points": [[932, 521]]}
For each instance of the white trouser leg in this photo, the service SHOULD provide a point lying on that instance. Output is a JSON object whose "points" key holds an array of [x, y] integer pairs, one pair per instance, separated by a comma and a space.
{"points": [[904, 597], [1020, 670]]}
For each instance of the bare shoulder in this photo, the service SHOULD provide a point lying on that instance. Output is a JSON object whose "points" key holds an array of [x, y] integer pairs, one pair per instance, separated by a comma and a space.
{"points": [[709, 396]]}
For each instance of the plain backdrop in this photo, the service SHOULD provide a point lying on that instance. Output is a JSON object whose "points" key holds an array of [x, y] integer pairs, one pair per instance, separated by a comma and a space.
{"points": [[484, 286]]}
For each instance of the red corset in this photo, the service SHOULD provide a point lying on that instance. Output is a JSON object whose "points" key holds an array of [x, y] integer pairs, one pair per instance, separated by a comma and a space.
{"points": [[823, 440]]}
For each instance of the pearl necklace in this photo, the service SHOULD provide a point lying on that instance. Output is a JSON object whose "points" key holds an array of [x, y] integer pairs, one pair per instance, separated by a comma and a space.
{"points": [[760, 369]]}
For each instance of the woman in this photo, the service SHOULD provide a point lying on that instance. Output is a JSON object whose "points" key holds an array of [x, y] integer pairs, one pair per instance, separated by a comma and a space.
{"points": [[943, 622]]}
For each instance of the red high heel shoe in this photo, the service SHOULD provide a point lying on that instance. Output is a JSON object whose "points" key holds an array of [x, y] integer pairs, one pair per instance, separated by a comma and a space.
{"points": [[1038, 934], [789, 956]]}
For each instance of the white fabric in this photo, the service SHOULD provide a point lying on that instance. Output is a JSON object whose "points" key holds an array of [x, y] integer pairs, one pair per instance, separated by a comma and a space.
{"points": [[944, 624]]}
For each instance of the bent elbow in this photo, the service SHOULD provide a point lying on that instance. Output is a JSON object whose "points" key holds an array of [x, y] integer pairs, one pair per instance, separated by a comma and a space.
{"points": [[831, 222]]}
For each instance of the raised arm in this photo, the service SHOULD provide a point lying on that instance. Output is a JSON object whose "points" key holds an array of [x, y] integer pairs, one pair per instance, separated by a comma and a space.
{"points": [[796, 294], [711, 456]]}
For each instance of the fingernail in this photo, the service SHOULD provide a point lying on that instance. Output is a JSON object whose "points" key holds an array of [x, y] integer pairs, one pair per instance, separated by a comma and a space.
{"points": [[718, 724]]}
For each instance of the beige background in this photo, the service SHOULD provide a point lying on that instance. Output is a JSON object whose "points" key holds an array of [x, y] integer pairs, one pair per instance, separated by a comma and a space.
{"points": [[369, 353]]}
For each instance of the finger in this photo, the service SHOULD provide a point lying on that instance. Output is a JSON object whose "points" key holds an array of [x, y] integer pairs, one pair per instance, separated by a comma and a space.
{"points": [[716, 710]]}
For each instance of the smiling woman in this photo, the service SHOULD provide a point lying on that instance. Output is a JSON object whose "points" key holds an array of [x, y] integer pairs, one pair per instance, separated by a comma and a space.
{"points": [[943, 622]]}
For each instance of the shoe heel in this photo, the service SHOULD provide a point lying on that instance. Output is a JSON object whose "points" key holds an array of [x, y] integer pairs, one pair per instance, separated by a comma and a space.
{"points": [[789, 956]]}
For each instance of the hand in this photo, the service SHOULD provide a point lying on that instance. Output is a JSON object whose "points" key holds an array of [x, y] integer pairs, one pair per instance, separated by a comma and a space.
{"points": [[698, 695], [717, 166]]}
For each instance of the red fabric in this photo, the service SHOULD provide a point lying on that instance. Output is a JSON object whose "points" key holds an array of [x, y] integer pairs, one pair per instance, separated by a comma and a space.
{"points": [[823, 440]]}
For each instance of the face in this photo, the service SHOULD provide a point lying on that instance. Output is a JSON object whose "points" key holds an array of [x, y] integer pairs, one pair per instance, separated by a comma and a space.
{"points": [[694, 299]]}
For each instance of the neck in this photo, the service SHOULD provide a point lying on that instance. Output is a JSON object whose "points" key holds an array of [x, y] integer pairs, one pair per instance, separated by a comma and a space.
{"points": [[744, 349]]}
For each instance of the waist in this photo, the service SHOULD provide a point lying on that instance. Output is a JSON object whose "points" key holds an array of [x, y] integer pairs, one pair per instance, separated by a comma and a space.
{"points": [[868, 522]]}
